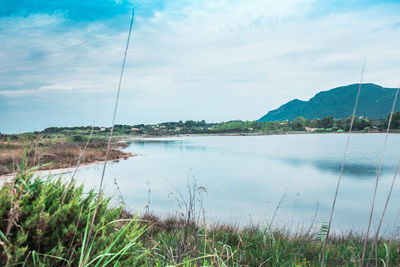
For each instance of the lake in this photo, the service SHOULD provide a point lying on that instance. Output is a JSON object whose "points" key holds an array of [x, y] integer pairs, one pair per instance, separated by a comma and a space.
{"points": [[247, 176]]}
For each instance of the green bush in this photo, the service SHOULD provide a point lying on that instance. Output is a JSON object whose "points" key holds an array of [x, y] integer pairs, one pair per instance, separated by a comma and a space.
{"points": [[28, 136], [45, 231], [13, 137], [79, 138]]}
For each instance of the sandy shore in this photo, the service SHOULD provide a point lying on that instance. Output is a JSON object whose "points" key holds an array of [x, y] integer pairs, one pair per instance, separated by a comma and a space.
{"points": [[4, 178]]}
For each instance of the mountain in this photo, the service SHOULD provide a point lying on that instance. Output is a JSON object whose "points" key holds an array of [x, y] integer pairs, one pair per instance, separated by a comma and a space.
{"points": [[375, 102]]}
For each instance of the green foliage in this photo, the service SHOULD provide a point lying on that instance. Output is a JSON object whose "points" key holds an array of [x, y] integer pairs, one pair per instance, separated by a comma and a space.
{"points": [[374, 102], [299, 123], [237, 126], [53, 232], [28, 136], [326, 122], [395, 124], [13, 137], [224, 245], [79, 138], [359, 123]]}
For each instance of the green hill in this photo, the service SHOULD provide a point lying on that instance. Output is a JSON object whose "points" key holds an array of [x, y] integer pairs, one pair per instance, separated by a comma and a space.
{"points": [[375, 102]]}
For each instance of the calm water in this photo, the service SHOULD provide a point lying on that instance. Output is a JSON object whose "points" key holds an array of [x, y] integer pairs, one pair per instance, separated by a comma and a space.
{"points": [[246, 176]]}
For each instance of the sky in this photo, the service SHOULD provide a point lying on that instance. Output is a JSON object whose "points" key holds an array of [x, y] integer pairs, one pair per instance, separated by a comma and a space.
{"points": [[216, 60]]}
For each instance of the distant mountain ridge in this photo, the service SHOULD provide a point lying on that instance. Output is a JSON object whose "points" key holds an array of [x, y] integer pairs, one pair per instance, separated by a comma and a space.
{"points": [[375, 102]]}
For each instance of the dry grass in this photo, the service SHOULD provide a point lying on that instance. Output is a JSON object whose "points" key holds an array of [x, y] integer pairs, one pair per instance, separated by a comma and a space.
{"points": [[61, 153]]}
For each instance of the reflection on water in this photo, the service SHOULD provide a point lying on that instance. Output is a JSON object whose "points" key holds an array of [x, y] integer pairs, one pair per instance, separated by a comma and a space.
{"points": [[245, 176], [169, 144], [149, 141], [356, 170]]}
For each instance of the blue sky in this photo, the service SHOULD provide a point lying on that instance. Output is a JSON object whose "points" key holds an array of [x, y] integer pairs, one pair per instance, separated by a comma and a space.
{"points": [[212, 60]]}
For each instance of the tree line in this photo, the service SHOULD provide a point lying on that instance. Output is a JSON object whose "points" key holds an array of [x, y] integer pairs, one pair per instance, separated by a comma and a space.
{"points": [[300, 124]]}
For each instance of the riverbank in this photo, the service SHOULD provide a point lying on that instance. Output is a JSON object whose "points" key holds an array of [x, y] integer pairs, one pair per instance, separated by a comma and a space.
{"points": [[129, 138], [57, 153]]}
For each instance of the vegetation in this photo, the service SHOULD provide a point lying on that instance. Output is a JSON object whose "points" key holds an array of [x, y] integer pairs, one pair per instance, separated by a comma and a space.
{"points": [[41, 227], [80, 134], [374, 102], [59, 150]]}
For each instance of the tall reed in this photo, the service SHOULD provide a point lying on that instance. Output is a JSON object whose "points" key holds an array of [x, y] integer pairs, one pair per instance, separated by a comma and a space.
{"points": [[112, 129], [376, 186], [342, 167], [378, 173]]}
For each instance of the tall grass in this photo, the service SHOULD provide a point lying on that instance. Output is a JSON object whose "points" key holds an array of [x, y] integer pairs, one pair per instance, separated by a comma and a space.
{"points": [[324, 249], [378, 173], [111, 132]]}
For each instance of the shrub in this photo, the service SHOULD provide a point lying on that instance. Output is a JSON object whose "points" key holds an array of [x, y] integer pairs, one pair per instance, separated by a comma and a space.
{"points": [[39, 229], [79, 138], [13, 137]]}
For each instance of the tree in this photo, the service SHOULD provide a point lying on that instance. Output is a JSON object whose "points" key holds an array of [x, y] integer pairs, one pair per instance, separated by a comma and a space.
{"points": [[395, 124], [340, 123], [315, 123], [190, 123], [326, 122], [299, 123], [358, 123]]}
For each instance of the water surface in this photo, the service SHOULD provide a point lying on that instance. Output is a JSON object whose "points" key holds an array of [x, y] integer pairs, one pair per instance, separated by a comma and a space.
{"points": [[246, 176]]}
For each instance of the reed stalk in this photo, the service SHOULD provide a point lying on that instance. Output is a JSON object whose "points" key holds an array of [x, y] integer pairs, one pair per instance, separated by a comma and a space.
{"points": [[376, 188], [111, 132], [342, 167]]}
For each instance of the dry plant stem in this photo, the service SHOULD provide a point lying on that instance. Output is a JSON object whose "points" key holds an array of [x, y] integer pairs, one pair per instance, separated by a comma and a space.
{"points": [[392, 239], [120, 194], [82, 154], [13, 214], [77, 165], [293, 213], [13, 159], [111, 133], [26, 259], [73, 238], [148, 197], [384, 211], [35, 156], [376, 188], [307, 235], [12, 204], [7, 253], [341, 169], [276, 210]]}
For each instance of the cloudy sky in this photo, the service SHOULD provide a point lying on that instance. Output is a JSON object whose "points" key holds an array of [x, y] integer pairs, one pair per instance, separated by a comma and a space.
{"points": [[214, 60]]}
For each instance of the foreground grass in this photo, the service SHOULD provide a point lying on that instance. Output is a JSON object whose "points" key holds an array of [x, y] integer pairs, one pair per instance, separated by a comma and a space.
{"points": [[224, 245], [45, 223]]}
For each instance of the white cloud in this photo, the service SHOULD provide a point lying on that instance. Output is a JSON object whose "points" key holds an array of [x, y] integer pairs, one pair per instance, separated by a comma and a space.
{"points": [[214, 60]]}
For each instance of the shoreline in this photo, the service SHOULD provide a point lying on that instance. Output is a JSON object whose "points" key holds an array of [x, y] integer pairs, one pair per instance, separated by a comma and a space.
{"points": [[125, 140], [129, 138], [66, 170], [118, 155]]}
